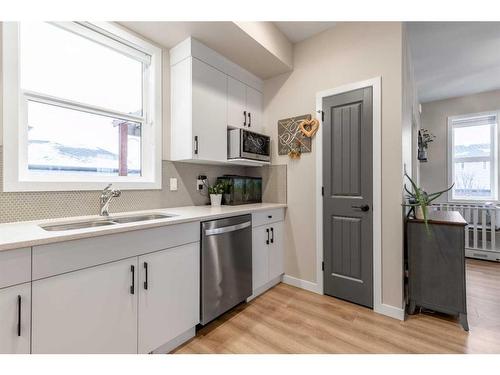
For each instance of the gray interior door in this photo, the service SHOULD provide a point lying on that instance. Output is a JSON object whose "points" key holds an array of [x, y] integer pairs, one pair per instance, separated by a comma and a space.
{"points": [[347, 198]]}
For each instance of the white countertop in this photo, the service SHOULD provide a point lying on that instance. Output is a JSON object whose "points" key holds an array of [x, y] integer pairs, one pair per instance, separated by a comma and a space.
{"points": [[29, 233]]}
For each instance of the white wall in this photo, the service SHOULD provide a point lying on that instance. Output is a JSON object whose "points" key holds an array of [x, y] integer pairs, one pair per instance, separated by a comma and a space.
{"points": [[433, 174], [347, 53], [271, 38], [410, 113]]}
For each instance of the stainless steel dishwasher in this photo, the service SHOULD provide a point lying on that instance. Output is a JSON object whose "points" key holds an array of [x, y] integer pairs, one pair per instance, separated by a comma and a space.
{"points": [[226, 265]]}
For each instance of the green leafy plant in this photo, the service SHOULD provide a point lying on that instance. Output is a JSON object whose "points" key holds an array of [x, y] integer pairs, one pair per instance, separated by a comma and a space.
{"points": [[420, 198], [218, 188], [425, 137]]}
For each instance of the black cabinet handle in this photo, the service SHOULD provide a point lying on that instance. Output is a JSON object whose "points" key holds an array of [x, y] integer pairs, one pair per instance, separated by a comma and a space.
{"points": [[363, 207], [132, 287], [146, 270], [272, 234], [269, 216], [267, 241], [19, 316], [196, 145], [249, 119], [245, 118]]}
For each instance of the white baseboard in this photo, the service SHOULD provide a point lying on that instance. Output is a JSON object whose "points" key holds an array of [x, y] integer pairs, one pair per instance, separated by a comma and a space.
{"points": [[391, 311], [388, 310], [264, 288], [302, 284]]}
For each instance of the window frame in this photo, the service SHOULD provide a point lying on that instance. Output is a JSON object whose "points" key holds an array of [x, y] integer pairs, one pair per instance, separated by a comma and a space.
{"points": [[17, 177], [493, 159]]}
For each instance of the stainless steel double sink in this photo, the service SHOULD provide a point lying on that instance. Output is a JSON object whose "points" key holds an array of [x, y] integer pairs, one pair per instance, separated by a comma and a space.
{"points": [[103, 222]]}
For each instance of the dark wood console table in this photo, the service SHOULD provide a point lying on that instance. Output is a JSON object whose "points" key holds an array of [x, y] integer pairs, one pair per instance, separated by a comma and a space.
{"points": [[436, 264]]}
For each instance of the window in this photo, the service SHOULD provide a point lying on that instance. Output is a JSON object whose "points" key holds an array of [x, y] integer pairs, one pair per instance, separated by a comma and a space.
{"points": [[473, 162], [83, 107]]}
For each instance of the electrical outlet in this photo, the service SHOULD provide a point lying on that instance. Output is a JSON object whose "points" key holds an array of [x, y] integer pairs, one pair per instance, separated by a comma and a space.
{"points": [[173, 184], [200, 182]]}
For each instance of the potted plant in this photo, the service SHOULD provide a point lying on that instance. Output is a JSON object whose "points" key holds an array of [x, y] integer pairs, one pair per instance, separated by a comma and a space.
{"points": [[424, 138], [419, 200], [216, 192]]}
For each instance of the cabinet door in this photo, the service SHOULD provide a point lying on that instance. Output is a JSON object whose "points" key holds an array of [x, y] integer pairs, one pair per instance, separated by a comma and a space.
{"points": [[15, 327], [254, 108], [260, 257], [93, 310], [236, 103], [169, 302], [276, 256], [209, 112]]}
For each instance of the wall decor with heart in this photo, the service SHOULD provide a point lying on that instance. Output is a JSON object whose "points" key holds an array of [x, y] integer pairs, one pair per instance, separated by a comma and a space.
{"points": [[309, 127], [291, 139]]}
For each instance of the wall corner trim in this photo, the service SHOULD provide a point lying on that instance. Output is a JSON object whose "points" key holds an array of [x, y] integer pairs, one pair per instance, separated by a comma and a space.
{"points": [[302, 284], [391, 311]]}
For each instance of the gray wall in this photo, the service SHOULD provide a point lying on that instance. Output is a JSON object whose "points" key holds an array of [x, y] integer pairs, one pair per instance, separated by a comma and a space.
{"points": [[433, 174]]}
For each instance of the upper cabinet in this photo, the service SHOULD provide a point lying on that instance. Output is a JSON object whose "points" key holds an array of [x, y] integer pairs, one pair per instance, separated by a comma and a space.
{"points": [[199, 102], [209, 94], [244, 106]]}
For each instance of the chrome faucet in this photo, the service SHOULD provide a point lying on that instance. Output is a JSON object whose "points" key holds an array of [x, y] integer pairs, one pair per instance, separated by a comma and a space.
{"points": [[106, 196]]}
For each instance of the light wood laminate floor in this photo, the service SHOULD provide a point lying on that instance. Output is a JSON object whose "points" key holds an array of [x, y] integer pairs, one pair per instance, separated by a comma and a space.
{"points": [[290, 320]]}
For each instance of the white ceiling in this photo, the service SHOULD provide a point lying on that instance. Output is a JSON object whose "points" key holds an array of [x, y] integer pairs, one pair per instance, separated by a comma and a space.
{"points": [[224, 37], [229, 40], [297, 31], [454, 58]]}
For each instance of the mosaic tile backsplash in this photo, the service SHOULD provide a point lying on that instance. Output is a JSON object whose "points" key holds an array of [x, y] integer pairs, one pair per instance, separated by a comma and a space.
{"points": [[46, 205]]}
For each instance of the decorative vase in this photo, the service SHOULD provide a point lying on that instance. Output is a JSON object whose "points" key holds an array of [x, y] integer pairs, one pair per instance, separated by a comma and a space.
{"points": [[215, 199], [422, 155], [419, 213]]}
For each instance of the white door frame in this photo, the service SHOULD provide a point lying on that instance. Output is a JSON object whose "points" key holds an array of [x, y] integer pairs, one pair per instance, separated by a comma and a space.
{"points": [[375, 83]]}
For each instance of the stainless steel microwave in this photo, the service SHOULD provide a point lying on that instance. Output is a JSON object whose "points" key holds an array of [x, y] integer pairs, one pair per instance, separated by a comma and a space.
{"points": [[244, 144]]}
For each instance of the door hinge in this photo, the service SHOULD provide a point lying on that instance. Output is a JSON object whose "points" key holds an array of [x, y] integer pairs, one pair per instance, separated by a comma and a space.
{"points": [[322, 191], [322, 266]]}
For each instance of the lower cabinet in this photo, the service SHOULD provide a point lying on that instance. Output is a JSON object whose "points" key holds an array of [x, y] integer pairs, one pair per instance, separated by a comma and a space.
{"points": [[93, 310], [276, 253], [168, 295], [267, 254], [129, 306], [15, 327], [260, 257]]}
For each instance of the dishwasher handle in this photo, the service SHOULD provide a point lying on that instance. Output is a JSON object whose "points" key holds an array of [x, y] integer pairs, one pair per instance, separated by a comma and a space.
{"points": [[230, 228]]}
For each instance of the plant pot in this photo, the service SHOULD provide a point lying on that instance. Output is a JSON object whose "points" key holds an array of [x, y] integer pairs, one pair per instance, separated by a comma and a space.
{"points": [[419, 213], [422, 155], [215, 199]]}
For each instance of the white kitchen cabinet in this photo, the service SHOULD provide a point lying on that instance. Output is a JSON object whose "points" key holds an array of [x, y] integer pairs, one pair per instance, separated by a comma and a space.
{"points": [[254, 109], [209, 112], [244, 107], [260, 257], [15, 327], [236, 104], [276, 253], [199, 112], [209, 94], [168, 295], [93, 310], [267, 255]]}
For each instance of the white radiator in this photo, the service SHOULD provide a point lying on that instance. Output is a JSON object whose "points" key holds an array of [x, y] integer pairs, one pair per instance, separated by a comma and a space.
{"points": [[481, 240]]}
